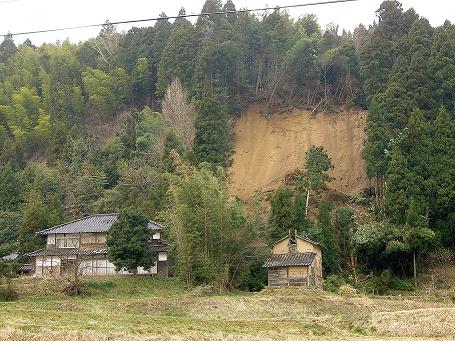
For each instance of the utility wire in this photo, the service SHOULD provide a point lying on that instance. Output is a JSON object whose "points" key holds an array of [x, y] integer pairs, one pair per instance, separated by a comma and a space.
{"points": [[329, 2], [7, 1]]}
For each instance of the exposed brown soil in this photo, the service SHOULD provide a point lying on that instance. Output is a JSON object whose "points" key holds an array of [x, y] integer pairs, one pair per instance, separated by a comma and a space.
{"points": [[268, 148]]}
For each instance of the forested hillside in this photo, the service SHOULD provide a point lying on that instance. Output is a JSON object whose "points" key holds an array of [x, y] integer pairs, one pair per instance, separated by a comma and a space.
{"points": [[100, 125]]}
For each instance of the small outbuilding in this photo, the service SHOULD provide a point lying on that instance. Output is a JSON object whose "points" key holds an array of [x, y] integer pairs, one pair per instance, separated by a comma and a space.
{"points": [[296, 261]]}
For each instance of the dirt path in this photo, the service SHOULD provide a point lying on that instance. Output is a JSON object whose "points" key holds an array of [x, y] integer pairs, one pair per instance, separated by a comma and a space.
{"points": [[266, 149]]}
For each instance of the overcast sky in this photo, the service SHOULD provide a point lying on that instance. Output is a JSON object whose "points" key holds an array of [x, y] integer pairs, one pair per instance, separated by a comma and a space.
{"points": [[29, 15]]}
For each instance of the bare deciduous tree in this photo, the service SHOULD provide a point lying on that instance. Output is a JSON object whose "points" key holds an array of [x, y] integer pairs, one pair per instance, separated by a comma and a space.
{"points": [[179, 114], [439, 266], [107, 42]]}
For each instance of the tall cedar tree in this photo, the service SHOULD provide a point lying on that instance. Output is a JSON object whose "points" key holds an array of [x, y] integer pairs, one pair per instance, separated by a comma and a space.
{"points": [[10, 223], [282, 216], [331, 252], [179, 56], [301, 221], [212, 143], [10, 189]]}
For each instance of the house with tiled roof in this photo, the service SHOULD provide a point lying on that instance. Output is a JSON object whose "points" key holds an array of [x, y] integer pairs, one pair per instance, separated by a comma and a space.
{"points": [[81, 244], [295, 261]]}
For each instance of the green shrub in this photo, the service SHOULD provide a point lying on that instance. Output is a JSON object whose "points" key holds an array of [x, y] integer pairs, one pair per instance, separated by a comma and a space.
{"points": [[373, 284], [400, 284], [257, 277], [8, 293], [333, 283]]}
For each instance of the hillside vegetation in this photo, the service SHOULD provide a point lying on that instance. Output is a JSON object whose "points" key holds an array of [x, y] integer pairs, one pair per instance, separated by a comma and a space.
{"points": [[141, 308], [151, 120]]}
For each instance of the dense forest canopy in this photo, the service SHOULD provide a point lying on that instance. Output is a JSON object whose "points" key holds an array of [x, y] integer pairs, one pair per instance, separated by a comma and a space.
{"points": [[178, 86]]}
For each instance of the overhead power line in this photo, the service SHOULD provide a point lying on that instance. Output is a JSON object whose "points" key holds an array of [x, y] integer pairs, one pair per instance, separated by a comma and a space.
{"points": [[328, 2], [7, 1]]}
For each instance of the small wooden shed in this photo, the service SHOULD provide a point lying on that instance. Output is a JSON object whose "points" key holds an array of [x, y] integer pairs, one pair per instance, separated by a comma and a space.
{"points": [[295, 261]]}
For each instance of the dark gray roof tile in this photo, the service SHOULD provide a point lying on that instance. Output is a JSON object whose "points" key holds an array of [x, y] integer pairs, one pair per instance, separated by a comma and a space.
{"points": [[68, 252], [91, 224], [294, 259]]}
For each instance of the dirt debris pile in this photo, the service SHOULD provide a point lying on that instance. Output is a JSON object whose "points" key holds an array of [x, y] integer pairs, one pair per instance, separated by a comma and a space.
{"points": [[268, 148]]}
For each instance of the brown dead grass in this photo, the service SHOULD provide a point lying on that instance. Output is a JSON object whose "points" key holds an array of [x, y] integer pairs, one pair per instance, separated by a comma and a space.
{"points": [[163, 310], [428, 322], [267, 149], [11, 334]]}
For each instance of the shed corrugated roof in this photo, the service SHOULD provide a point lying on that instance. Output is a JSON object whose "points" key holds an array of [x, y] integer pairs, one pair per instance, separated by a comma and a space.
{"points": [[293, 259], [91, 224]]}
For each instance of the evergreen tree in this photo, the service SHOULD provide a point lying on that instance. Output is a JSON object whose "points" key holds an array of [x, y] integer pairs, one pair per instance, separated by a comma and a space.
{"points": [[343, 222], [316, 165], [300, 219], [141, 84], [302, 60], [409, 172], [442, 170], [378, 55], [230, 7], [375, 150], [331, 253], [10, 189], [419, 81], [88, 188], [34, 219], [7, 49], [128, 242], [212, 142], [420, 236], [179, 56], [282, 216], [399, 178], [442, 64], [308, 25], [162, 31], [10, 223]]}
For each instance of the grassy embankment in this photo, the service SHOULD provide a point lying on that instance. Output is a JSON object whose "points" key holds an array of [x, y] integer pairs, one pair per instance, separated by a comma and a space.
{"points": [[143, 308]]}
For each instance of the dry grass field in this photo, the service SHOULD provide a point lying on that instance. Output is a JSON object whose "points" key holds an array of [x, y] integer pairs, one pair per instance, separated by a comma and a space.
{"points": [[144, 308]]}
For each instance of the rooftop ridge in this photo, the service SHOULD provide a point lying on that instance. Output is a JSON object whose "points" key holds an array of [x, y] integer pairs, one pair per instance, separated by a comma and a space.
{"points": [[70, 222], [92, 220]]}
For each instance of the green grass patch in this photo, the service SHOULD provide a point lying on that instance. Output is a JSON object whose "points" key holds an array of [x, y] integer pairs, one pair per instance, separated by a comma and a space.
{"points": [[317, 329]]}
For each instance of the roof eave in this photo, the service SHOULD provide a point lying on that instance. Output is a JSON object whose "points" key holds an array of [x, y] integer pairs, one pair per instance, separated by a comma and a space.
{"points": [[310, 240]]}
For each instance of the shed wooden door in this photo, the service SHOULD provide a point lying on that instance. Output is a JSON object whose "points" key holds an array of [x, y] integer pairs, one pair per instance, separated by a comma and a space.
{"points": [[278, 276]]}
